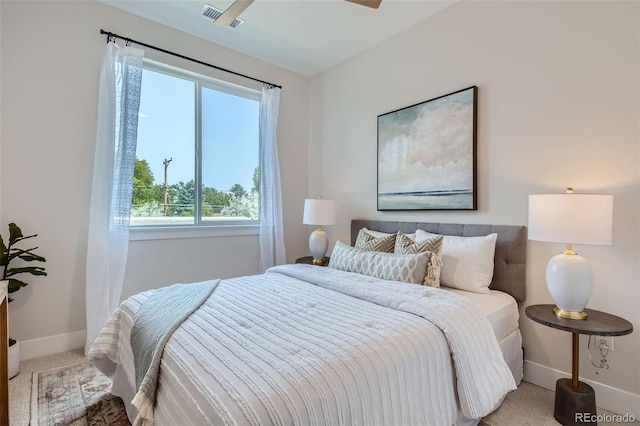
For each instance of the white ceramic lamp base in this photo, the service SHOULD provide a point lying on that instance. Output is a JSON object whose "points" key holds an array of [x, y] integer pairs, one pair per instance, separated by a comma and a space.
{"points": [[318, 245], [570, 283]]}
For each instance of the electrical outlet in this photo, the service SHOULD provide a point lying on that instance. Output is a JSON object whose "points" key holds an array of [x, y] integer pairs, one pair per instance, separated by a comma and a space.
{"points": [[608, 340]]}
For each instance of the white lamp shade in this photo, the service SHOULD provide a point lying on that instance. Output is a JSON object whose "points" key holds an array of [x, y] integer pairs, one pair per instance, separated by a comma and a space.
{"points": [[571, 218], [319, 212]]}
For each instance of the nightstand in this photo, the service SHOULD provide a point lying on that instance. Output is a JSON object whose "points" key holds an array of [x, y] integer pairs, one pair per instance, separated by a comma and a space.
{"points": [[309, 260], [572, 395]]}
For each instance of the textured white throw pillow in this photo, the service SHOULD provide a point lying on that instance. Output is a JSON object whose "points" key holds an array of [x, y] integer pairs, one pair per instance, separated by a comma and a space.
{"points": [[467, 262]]}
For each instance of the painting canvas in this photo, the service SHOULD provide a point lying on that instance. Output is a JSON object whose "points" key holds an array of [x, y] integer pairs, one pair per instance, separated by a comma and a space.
{"points": [[427, 154]]}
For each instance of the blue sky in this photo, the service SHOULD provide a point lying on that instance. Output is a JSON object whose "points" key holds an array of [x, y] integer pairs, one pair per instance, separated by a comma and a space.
{"points": [[166, 129]]}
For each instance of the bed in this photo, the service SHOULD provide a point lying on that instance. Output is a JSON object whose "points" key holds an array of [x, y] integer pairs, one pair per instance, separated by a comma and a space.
{"points": [[308, 345]]}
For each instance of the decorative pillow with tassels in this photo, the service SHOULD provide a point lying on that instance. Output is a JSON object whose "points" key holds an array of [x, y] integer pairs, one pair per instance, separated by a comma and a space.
{"points": [[433, 245]]}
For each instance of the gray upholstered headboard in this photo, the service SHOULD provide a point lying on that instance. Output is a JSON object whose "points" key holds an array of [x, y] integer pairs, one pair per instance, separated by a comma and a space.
{"points": [[511, 247]]}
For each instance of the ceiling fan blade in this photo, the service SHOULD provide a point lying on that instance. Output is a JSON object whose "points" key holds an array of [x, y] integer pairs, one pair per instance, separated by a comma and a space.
{"points": [[232, 12], [369, 3]]}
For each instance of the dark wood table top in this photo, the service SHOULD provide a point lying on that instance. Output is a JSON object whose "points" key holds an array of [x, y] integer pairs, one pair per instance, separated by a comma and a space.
{"points": [[597, 322], [309, 260]]}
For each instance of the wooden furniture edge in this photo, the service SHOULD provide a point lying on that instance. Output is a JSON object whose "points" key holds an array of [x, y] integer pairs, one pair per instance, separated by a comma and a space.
{"points": [[4, 354]]}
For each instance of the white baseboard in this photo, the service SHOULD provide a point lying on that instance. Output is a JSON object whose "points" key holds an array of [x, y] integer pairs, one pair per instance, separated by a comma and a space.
{"points": [[51, 345], [607, 397]]}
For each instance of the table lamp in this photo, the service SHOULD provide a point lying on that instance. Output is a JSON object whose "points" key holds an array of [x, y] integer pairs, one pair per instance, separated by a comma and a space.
{"points": [[319, 212], [572, 219]]}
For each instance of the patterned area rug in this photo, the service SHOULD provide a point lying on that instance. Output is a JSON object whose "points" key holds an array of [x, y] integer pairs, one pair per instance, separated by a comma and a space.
{"points": [[77, 395]]}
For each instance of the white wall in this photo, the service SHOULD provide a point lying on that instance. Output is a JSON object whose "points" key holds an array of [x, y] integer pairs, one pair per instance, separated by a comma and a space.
{"points": [[51, 58], [558, 106]]}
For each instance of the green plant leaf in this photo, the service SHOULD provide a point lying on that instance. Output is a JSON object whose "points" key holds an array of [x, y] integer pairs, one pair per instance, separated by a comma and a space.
{"points": [[14, 232], [34, 270], [23, 238], [15, 285], [30, 257], [25, 254]]}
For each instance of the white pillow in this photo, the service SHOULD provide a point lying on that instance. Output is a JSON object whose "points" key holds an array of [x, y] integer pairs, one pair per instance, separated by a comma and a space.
{"points": [[467, 262], [409, 268]]}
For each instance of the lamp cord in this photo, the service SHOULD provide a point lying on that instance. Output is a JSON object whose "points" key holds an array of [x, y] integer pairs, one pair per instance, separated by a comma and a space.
{"points": [[604, 351]]}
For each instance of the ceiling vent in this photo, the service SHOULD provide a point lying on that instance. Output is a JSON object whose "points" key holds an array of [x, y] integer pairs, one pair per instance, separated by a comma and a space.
{"points": [[214, 13]]}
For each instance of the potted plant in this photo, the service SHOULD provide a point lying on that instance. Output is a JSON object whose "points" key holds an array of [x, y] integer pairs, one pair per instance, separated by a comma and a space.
{"points": [[10, 273]]}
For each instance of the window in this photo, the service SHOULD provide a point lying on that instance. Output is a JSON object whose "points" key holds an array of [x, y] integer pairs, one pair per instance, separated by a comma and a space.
{"points": [[197, 151]]}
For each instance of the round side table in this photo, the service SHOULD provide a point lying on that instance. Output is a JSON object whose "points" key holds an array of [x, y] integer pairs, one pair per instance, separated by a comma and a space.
{"points": [[309, 261], [572, 395]]}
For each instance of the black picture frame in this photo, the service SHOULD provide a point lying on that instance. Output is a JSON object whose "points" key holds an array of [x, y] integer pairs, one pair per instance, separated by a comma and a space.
{"points": [[427, 154]]}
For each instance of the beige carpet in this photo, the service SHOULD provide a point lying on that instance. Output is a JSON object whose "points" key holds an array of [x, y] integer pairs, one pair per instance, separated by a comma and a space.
{"points": [[528, 405]]}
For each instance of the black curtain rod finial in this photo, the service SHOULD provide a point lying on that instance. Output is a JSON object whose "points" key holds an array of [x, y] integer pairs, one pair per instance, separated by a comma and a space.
{"points": [[112, 37]]}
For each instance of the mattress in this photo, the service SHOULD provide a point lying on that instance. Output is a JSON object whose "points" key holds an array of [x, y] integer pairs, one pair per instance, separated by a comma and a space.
{"points": [[501, 310]]}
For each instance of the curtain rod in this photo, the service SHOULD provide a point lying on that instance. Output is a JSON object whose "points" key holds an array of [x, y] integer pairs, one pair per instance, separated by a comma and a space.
{"points": [[128, 40]]}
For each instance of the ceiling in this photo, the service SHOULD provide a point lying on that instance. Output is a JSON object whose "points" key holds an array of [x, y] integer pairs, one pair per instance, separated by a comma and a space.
{"points": [[305, 36]]}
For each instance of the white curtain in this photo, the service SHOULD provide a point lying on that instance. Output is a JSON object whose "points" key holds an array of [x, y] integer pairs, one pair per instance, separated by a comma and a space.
{"points": [[271, 230], [112, 185]]}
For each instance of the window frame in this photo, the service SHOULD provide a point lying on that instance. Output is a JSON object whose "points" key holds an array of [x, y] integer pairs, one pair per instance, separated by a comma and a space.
{"points": [[199, 228]]}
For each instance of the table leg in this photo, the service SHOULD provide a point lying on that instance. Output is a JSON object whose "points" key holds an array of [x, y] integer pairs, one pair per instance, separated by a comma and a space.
{"points": [[575, 363], [575, 401]]}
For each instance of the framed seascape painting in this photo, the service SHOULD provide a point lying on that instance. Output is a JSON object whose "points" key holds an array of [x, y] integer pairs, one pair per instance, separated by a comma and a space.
{"points": [[427, 154]]}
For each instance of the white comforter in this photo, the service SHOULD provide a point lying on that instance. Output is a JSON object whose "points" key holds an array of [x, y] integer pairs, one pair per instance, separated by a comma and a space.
{"points": [[304, 345]]}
